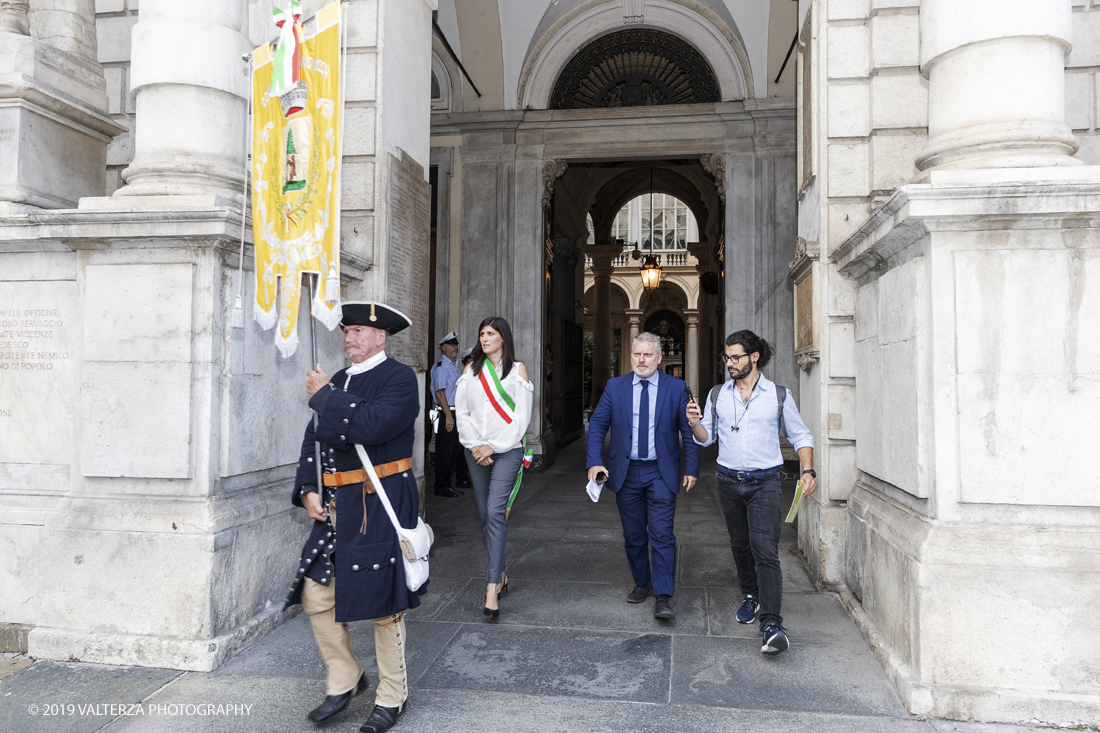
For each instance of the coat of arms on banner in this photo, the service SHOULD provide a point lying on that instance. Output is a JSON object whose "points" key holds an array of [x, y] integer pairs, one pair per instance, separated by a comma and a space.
{"points": [[296, 129]]}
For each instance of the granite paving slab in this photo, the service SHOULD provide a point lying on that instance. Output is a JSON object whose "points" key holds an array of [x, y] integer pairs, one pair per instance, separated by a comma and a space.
{"points": [[713, 566], [465, 711], [441, 591], [582, 606], [464, 556], [564, 662], [65, 697], [593, 562], [291, 652], [811, 617], [809, 677], [272, 705]]}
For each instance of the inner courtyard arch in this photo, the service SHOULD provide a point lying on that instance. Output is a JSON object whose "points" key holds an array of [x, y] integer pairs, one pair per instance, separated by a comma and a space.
{"points": [[525, 184]]}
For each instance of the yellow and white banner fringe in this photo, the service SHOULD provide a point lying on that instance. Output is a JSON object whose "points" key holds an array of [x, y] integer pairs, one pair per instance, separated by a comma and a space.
{"points": [[296, 182]]}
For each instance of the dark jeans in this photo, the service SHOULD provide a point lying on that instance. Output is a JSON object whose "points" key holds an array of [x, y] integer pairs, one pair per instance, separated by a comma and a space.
{"points": [[754, 520], [448, 457]]}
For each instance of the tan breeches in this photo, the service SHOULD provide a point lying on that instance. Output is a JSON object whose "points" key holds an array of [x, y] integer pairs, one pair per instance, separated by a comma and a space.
{"points": [[334, 641]]}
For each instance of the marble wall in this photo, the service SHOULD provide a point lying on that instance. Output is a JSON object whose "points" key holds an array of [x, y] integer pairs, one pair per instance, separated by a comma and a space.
{"points": [[147, 448], [927, 282]]}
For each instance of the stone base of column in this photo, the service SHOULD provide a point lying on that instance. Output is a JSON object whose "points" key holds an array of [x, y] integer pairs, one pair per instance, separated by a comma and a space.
{"points": [[191, 655], [147, 448], [970, 542], [53, 128], [985, 622], [821, 537]]}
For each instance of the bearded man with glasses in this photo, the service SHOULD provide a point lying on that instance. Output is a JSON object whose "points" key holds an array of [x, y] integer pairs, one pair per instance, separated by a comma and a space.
{"points": [[746, 415]]}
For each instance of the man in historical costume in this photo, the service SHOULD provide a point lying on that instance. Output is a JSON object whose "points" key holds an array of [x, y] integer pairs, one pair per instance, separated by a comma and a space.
{"points": [[374, 402], [448, 451]]}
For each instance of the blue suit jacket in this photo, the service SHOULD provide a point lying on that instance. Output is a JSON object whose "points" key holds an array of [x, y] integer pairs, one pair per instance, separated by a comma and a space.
{"points": [[615, 412]]}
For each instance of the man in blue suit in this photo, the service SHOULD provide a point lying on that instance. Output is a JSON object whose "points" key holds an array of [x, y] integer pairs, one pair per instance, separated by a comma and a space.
{"points": [[645, 411]]}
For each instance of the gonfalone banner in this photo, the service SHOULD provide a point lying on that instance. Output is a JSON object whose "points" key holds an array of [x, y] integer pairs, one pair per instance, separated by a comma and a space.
{"points": [[296, 127]]}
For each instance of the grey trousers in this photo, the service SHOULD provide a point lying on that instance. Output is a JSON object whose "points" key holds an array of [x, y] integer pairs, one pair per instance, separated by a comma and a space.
{"points": [[492, 487]]}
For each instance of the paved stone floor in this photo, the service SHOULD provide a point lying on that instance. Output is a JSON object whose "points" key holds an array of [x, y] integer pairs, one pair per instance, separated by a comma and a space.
{"points": [[567, 654]]}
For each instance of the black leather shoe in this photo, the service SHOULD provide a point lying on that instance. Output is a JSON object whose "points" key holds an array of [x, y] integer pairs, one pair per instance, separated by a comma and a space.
{"points": [[448, 492], [640, 593], [334, 704], [464, 485], [382, 719], [661, 609]]}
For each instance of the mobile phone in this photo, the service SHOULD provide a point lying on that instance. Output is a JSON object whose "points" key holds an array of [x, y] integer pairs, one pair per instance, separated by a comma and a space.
{"points": [[691, 397]]}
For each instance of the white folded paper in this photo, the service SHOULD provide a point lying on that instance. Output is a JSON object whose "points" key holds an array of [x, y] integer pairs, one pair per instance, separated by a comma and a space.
{"points": [[594, 490]]}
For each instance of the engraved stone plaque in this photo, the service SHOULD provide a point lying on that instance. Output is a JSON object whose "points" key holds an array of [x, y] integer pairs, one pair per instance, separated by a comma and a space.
{"points": [[36, 371], [407, 257], [803, 313]]}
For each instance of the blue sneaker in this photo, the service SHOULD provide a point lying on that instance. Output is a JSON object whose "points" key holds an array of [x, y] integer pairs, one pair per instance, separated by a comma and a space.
{"points": [[747, 613], [775, 639]]}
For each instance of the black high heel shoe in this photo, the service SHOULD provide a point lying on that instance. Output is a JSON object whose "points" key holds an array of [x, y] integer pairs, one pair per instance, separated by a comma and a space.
{"points": [[490, 612]]}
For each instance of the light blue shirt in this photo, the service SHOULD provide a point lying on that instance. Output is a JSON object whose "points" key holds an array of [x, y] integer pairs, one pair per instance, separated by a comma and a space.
{"points": [[651, 390], [755, 445], [445, 374]]}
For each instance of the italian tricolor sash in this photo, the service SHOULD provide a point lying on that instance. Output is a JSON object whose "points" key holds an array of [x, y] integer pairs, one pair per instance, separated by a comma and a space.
{"points": [[498, 398]]}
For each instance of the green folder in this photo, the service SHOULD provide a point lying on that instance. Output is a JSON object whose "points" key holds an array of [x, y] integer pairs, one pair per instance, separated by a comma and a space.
{"points": [[796, 503]]}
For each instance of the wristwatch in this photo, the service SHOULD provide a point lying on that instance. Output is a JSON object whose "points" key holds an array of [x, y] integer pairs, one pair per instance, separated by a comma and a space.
{"points": [[810, 471]]}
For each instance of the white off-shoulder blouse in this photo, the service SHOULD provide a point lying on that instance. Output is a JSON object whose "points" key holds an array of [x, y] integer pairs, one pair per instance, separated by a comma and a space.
{"points": [[478, 421]]}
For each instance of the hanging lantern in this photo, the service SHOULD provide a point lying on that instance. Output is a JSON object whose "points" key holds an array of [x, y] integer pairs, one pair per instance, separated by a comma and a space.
{"points": [[651, 273]]}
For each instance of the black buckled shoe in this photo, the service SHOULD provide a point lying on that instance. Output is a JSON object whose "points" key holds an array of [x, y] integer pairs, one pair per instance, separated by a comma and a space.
{"points": [[448, 492], [640, 593], [334, 704], [382, 719]]}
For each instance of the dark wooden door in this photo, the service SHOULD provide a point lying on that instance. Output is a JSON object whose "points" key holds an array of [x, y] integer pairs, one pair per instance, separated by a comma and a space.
{"points": [[572, 381]]}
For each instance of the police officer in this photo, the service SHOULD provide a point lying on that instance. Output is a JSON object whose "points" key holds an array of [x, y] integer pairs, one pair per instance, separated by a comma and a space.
{"points": [[445, 374], [374, 402]]}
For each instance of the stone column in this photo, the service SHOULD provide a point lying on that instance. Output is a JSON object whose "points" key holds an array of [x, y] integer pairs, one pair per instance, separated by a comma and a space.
{"points": [[190, 86], [996, 88], [54, 127], [691, 349], [15, 16], [602, 255], [67, 25], [634, 317]]}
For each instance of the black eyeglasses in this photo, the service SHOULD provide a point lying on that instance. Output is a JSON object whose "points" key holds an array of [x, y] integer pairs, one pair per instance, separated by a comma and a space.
{"points": [[726, 358]]}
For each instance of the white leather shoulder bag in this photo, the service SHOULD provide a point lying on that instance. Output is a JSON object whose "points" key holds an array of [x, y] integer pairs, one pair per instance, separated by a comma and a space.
{"points": [[415, 543]]}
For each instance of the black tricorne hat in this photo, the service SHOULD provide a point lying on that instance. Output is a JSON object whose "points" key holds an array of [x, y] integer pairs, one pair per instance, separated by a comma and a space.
{"points": [[374, 314]]}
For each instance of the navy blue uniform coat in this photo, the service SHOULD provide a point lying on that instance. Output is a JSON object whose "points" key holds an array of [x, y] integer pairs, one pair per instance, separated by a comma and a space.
{"points": [[615, 411], [379, 410]]}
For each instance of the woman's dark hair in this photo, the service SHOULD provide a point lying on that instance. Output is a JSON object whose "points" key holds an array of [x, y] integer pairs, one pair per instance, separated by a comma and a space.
{"points": [[751, 343], [508, 359]]}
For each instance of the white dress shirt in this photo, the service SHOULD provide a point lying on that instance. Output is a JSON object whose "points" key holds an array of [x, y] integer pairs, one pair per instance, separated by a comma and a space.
{"points": [[478, 421], [755, 444]]}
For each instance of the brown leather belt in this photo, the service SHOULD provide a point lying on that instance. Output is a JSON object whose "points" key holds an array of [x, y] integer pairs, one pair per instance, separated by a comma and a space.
{"points": [[359, 476]]}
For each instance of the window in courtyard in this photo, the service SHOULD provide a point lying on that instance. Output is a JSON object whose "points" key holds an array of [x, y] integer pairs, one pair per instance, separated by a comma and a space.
{"points": [[673, 223]]}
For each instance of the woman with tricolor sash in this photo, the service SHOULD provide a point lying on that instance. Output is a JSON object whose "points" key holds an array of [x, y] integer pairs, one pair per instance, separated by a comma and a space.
{"points": [[492, 410]]}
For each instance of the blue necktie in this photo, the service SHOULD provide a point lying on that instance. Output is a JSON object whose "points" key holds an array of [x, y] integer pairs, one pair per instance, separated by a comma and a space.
{"points": [[643, 422]]}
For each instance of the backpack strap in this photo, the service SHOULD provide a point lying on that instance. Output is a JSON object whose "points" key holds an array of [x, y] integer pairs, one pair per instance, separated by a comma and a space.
{"points": [[781, 397], [712, 398]]}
